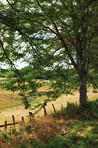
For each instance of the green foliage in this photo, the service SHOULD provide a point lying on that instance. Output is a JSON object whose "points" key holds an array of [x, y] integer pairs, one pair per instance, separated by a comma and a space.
{"points": [[73, 142], [93, 79], [55, 36], [26, 103], [89, 111], [65, 80], [28, 128], [60, 143], [71, 110]]}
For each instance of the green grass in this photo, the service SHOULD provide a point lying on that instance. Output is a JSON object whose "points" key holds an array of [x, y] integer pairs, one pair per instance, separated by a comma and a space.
{"points": [[46, 133], [72, 140]]}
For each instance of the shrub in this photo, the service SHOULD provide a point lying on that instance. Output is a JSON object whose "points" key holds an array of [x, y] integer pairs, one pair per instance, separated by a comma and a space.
{"points": [[90, 110], [71, 111]]}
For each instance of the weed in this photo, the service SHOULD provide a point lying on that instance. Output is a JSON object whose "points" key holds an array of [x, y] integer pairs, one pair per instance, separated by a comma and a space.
{"points": [[28, 128]]}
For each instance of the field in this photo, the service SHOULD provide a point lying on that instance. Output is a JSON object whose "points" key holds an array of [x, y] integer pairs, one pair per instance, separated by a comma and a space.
{"points": [[62, 129], [10, 104]]}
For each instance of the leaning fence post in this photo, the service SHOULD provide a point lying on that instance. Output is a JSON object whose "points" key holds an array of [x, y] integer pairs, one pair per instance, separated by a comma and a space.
{"points": [[45, 112], [5, 125], [62, 108], [31, 115], [54, 108], [13, 120], [22, 119]]}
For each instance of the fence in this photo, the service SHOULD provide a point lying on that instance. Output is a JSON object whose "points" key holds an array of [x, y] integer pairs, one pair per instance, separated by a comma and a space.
{"points": [[13, 123], [31, 117]]}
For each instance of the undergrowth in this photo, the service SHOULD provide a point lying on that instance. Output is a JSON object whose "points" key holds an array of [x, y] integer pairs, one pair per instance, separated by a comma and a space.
{"points": [[88, 111], [72, 128]]}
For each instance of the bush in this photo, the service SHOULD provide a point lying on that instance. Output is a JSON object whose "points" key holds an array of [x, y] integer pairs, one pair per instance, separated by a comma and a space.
{"points": [[88, 111], [71, 110]]}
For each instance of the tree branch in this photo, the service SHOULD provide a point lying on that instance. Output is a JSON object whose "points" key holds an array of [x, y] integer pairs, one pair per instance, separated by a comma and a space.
{"points": [[65, 45], [13, 6], [7, 55], [47, 28], [61, 39]]}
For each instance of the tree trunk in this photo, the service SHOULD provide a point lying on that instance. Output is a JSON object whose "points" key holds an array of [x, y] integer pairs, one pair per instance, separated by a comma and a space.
{"points": [[83, 90]]}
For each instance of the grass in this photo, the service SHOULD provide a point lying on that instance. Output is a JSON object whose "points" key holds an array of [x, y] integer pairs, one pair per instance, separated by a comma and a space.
{"points": [[7, 101], [62, 132], [10, 103]]}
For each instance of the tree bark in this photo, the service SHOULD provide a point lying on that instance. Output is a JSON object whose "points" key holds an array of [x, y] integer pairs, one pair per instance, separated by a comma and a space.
{"points": [[83, 90]]}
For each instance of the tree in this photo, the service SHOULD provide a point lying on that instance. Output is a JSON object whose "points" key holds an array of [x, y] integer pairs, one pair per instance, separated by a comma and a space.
{"points": [[54, 32]]}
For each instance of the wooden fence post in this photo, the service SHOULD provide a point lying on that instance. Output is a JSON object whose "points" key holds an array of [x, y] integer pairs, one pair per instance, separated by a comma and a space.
{"points": [[45, 112], [62, 108], [22, 119], [31, 115], [13, 120], [54, 108], [5, 125]]}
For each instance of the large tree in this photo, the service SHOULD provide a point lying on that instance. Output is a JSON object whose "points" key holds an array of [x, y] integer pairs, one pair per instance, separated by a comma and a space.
{"points": [[56, 34]]}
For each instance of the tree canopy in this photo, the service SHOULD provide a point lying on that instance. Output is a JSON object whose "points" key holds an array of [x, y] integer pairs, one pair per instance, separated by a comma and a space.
{"points": [[57, 35]]}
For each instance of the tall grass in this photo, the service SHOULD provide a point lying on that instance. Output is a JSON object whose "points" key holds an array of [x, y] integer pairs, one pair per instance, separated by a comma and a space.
{"points": [[69, 129]]}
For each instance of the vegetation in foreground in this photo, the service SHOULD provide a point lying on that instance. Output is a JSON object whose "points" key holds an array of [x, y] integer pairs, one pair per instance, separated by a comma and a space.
{"points": [[71, 128]]}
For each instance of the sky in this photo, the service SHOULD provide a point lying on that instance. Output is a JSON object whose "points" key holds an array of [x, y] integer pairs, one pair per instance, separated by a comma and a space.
{"points": [[3, 1], [19, 64]]}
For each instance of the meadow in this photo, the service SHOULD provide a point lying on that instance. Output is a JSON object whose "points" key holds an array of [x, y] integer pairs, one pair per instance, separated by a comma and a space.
{"points": [[79, 127], [11, 104], [71, 128]]}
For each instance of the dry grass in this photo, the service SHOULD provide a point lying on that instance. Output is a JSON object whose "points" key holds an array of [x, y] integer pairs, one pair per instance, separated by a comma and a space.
{"points": [[8, 100], [10, 104], [62, 100], [48, 132]]}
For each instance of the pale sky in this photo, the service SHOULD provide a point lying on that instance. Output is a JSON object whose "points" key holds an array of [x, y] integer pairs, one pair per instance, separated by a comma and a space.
{"points": [[3, 1], [19, 64]]}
